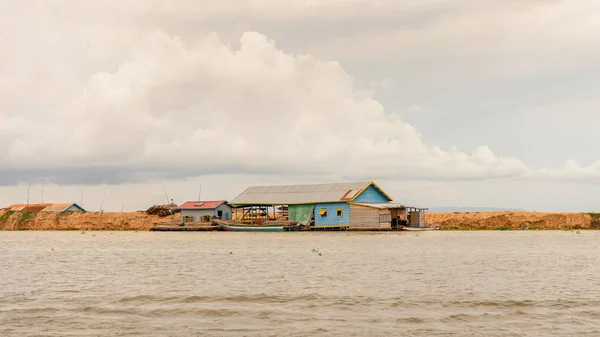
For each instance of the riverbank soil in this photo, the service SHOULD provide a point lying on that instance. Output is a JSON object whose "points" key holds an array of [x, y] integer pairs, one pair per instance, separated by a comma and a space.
{"points": [[28, 220], [513, 220]]}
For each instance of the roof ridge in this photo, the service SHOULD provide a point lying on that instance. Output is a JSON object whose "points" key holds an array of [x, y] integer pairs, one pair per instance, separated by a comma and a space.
{"points": [[312, 184]]}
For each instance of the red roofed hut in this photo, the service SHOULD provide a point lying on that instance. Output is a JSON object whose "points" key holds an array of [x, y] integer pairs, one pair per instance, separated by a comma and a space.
{"points": [[204, 211], [47, 207]]}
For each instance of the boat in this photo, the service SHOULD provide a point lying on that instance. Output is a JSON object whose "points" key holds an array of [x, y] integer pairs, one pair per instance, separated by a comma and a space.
{"points": [[418, 229], [259, 228]]}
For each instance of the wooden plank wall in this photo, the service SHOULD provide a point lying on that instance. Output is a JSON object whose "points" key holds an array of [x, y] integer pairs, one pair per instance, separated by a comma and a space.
{"points": [[417, 219], [362, 217], [385, 218]]}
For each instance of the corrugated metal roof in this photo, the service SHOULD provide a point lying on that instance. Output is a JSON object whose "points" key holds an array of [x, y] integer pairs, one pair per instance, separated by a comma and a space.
{"points": [[380, 205], [46, 207], [351, 194], [26, 207], [386, 205], [209, 204], [301, 194], [56, 207]]}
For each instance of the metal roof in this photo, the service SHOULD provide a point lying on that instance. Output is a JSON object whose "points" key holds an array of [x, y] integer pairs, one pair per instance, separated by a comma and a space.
{"points": [[27, 207], [56, 207], [45, 207], [380, 205], [302, 194], [387, 205], [212, 204]]}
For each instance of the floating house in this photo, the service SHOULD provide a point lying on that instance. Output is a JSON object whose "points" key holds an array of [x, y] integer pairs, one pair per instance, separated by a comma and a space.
{"points": [[356, 205], [204, 211], [51, 207]]}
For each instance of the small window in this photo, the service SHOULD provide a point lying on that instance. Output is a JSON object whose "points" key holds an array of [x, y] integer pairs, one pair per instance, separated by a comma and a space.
{"points": [[323, 212], [339, 211]]}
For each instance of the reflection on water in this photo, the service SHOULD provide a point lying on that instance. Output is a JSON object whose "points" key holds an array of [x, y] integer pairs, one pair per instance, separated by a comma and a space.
{"points": [[274, 284]]}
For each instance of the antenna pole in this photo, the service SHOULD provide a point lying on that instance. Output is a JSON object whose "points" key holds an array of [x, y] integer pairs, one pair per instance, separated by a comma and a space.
{"points": [[81, 198], [166, 194], [28, 189], [199, 193], [102, 202]]}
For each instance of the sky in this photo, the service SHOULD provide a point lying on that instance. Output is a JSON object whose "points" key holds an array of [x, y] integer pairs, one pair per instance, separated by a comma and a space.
{"points": [[127, 104]]}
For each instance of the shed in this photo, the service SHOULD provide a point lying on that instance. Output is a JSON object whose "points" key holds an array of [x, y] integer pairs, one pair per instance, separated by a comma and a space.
{"points": [[333, 205], [204, 211], [387, 213]]}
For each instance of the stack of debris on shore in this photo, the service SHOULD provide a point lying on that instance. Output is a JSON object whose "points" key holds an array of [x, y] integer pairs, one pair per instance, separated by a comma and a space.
{"points": [[162, 210]]}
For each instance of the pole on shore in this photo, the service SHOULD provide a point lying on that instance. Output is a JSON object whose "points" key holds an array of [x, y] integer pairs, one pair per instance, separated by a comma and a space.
{"points": [[166, 194], [102, 202]]}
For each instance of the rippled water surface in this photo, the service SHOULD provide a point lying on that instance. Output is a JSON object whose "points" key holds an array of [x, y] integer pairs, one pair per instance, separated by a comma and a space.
{"points": [[525, 283]]}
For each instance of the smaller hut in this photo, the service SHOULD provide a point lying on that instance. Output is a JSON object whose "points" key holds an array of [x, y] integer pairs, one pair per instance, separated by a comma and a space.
{"points": [[47, 207], [204, 211]]}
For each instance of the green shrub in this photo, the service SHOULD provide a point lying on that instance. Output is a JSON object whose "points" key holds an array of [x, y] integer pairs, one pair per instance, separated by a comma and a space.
{"points": [[595, 223], [25, 216], [4, 217]]}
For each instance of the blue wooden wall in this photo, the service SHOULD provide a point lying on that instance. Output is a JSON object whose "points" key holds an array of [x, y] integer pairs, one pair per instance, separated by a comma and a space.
{"points": [[371, 194], [332, 219]]}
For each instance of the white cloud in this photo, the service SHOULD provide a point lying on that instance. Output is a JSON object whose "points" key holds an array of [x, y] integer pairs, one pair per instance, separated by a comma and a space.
{"points": [[189, 105], [572, 171], [488, 39], [382, 83], [134, 102]]}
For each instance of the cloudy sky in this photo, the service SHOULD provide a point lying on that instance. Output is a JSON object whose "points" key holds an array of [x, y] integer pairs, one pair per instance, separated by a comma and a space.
{"points": [[442, 102]]}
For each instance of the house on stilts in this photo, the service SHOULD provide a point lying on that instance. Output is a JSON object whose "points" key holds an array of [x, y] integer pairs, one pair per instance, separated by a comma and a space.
{"points": [[354, 205]]}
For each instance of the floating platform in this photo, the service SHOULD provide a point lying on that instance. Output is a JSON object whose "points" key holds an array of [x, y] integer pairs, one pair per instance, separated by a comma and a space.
{"points": [[329, 228], [178, 227], [387, 229]]}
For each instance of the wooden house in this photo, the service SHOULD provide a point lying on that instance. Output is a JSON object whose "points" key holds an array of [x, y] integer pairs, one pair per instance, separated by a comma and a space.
{"points": [[204, 211], [356, 205]]}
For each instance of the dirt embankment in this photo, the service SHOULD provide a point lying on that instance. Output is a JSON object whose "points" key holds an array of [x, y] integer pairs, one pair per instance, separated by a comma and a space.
{"points": [[513, 220], [27, 220]]}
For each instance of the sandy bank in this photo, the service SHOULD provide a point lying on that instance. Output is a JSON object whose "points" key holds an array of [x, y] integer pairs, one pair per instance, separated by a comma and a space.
{"points": [[513, 220], [80, 221]]}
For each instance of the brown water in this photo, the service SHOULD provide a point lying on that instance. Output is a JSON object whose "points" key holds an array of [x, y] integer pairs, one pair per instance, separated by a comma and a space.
{"points": [[525, 283]]}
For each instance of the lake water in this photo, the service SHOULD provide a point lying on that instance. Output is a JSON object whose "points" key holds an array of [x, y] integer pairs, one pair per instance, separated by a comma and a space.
{"points": [[525, 283]]}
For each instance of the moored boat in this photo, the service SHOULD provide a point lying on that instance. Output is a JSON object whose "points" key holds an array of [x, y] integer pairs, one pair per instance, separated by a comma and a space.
{"points": [[259, 228], [418, 229]]}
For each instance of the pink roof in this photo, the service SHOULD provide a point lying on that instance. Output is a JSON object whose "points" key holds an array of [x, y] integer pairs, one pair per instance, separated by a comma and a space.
{"points": [[51, 207], [201, 204]]}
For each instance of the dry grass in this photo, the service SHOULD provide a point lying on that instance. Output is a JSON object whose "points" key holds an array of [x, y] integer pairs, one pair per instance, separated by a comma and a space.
{"points": [[141, 221], [113, 221], [510, 220]]}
